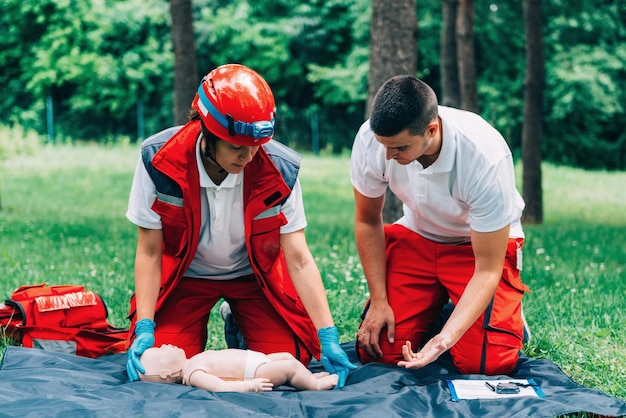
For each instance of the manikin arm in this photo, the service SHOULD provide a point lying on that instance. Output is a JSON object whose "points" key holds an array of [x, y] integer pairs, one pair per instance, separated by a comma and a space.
{"points": [[206, 381]]}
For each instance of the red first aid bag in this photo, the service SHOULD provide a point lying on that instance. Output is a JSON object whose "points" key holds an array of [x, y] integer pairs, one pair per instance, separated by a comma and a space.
{"points": [[62, 318]]}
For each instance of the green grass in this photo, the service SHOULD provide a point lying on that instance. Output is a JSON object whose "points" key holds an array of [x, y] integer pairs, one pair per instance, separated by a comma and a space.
{"points": [[62, 221], [575, 265]]}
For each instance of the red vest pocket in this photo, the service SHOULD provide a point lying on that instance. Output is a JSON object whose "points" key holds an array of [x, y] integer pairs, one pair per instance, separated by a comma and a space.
{"points": [[265, 239], [175, 228]]}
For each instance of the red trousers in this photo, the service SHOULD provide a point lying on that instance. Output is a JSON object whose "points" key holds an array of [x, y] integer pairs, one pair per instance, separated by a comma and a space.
{"points": [[423, 275], [183, 319]]}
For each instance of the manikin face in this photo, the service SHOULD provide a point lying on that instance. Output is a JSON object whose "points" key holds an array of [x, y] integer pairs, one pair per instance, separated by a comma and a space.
{"points": [[167, 357], [233, 158], [406, 148]]}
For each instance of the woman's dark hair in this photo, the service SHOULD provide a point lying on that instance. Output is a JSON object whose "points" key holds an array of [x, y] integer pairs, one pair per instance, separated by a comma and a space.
{"points": [[210, 138]]}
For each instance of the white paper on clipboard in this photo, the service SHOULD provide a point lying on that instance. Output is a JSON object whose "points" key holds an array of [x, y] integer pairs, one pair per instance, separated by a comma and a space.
{"points": [[478, 389]]}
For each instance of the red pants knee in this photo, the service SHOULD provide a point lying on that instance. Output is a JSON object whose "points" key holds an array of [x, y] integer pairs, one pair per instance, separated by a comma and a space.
{"points": [[183, 319], [422, 275]]}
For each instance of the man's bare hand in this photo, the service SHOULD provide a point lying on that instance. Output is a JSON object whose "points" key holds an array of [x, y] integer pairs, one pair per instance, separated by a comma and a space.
{"points": [[378, 317], [434, 348]]}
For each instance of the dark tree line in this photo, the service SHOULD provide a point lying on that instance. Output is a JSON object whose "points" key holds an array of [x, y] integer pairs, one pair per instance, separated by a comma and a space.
{"points": [[97, 61]]}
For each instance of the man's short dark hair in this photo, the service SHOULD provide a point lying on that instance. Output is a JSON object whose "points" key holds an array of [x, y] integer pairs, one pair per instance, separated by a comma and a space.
{"points": [[403, 102]]}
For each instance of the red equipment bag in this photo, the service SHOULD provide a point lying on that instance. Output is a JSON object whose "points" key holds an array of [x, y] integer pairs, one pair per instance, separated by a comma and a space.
{"points": [[62, 318]]}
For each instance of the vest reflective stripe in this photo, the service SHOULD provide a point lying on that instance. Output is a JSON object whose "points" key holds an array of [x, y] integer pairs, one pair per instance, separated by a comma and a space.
{"points": [[273, 211], [172, 200]]}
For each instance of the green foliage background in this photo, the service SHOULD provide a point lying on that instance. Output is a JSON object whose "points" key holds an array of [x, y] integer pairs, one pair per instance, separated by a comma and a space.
{"points": [[97, 59]]}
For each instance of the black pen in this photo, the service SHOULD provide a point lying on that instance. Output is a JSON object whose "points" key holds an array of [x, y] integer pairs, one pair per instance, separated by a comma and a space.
{"points": [[490, 386], [524, 385]]}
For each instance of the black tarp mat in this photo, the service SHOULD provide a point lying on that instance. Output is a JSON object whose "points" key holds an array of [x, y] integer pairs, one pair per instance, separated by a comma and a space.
{"points": [[36, 383]]}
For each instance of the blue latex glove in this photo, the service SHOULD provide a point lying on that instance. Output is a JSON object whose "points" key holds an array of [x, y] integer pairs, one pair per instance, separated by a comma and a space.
{"points": [[334, 359], [144, 339]]}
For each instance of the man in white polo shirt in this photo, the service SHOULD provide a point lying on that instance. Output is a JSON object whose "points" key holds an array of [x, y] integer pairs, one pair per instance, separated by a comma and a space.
{"points": [[459, 240]]}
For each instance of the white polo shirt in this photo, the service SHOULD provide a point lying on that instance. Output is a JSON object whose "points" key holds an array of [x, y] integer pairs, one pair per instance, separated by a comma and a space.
{"points": [[221, 250], [470, 185]]}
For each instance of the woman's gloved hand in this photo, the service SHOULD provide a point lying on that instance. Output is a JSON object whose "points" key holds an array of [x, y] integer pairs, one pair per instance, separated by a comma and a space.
{"points": [[144, 339], [334, 359]]}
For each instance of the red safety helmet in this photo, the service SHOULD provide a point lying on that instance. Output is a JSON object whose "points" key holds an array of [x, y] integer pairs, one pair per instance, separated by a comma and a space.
{"points": [[237, 105]]}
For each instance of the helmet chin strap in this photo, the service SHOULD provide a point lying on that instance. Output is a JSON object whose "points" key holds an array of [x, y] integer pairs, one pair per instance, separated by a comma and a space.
{"points": [[210, 156]]}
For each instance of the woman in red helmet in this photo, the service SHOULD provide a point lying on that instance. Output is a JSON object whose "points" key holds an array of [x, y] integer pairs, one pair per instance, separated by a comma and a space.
{"points": [[219, 210]]}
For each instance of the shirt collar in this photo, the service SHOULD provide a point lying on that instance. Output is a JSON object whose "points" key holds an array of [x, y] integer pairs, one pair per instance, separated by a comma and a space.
{"points": [[445, 161]]}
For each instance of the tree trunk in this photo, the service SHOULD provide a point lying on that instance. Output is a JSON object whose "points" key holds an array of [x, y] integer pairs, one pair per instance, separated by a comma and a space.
{"points": [[465, 55], [393, 51], [185, 62], [533, 106], [393, 43], [448, 64]]}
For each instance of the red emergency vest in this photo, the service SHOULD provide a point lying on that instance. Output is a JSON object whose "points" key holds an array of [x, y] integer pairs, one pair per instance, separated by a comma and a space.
{"points": [[264, 188]]}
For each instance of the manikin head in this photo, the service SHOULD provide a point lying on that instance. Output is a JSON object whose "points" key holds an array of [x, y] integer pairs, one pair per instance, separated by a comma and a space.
{"points": [[163, 364]]}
